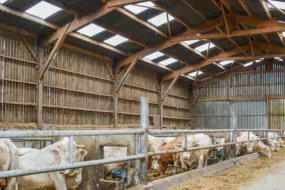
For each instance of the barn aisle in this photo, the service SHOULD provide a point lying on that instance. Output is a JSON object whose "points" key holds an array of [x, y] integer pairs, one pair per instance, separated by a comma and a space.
{"points": [[274, 180]]}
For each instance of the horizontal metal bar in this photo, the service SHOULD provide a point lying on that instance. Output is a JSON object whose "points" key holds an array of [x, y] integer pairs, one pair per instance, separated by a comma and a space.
{"points": [[160, 132], [22, 172], [64, 133], [32, 139]]}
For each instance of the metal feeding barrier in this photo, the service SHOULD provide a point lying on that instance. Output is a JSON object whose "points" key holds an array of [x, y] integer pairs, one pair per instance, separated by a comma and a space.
{"points": [[140, 140]]}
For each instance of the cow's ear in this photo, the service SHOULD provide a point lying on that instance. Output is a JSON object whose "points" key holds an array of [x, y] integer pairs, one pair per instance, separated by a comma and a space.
{"points": [[83, 153], [55, 153]]}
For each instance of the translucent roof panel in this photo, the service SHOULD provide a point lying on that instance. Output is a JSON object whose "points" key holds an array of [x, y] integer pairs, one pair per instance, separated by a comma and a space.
{"points": [[154, 55], [91, 30], [193, 74], [2, 1], [283, 34], [204, 47], [115, 40], [138, 9], [278, 4], [43, 10], [160, 19], [189, 42], [226, 62], [248, 64], [168, 61]]}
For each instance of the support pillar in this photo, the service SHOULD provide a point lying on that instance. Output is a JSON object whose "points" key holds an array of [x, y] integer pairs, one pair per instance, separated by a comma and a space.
{"points": [[161, 104], [115, 96], [40, 55]]}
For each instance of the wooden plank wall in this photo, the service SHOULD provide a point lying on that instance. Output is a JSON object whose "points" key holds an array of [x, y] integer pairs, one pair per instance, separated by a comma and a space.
{"points": [[78, 90]]}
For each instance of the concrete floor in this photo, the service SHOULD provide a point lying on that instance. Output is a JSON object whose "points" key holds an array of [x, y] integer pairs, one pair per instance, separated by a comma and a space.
{"points": [[271, 181]]}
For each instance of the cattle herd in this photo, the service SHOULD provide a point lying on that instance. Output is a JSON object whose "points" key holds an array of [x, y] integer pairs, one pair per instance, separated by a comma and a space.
{"points": [[12, 158]]}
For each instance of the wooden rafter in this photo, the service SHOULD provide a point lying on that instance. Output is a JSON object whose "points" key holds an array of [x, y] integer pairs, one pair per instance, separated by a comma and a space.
{"points": [[266, 9], [187, 69], [223, 76], [54, 51], [170, 86], [109, 70], [120, 3], [225, 19], [126, 74], [155, 82], [25, 41], [168, 25], [240, 58]]}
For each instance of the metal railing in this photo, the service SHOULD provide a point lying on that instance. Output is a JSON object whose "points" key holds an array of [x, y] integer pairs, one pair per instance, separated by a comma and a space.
{"points": [[141, 145]]}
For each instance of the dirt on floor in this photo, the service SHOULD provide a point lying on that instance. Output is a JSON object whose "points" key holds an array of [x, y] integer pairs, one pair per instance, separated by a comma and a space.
{"points": [[234, 177]]}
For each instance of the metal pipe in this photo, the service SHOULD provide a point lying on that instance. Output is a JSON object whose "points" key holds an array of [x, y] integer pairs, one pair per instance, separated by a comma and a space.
{"points": [[32, 139], [158, 132], [144, 140], [66, 133], [22, 172]]}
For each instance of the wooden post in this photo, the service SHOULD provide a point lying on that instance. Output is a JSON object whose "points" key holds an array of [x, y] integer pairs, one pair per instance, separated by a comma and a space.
{"points": [[40, 55], [115, 96], [161, 104]]}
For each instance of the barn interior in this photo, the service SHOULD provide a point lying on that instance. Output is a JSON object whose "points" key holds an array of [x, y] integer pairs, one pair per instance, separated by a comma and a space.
{"points": [[85, 64]]}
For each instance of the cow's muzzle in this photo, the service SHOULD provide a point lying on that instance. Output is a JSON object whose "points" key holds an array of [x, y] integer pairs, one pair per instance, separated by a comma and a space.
{"points": [[64, 172]]}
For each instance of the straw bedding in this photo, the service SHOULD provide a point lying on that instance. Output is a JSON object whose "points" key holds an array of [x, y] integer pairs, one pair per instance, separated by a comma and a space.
{"points": [[234, 177]]}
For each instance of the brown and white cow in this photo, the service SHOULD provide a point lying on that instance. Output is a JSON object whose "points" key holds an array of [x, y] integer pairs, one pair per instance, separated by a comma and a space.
{"points": [[8, 161]]}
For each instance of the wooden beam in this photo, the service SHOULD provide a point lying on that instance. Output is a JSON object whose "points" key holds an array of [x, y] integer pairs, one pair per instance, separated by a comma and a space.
{"points": [[155, 81], [201, 92], [187, 69], [266, 9], [251, 46], [109, 70], [54, 51], [124, 77], [223, 76], [168, 25], [245, 7], [115, 96], [170, 86], [208, 25], [248, 58], [39, 113], [225, 19], [25, 41]]}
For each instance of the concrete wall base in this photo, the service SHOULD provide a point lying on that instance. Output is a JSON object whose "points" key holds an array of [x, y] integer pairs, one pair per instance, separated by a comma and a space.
{"points": [[175, 180]]}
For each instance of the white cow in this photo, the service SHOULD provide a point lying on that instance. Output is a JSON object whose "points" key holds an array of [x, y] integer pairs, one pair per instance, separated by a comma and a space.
{"points": [[198, 156], [8, 161], [275, 144], [256, 145], [56, 153]]}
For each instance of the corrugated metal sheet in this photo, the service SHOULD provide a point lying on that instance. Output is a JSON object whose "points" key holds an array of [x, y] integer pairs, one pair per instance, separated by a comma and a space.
{"points": [[217, 114], [261, 84]]}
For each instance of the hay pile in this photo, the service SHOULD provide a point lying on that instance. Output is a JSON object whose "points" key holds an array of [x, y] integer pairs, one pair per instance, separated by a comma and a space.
{"points": [[237, 176]]}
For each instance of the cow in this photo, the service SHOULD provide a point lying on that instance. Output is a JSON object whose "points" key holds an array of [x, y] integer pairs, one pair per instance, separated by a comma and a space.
{"points": [[54, 154], [154, 145], [8, 161], [161, 163], [219, 151], [275, 143], [255, 145], [187, 159]]}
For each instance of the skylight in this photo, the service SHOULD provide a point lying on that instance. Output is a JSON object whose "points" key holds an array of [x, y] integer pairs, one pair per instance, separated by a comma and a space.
{"points": [[204, 47], [248, 64], [168, 61], [283, 34], [2, 1], [160, 19], [115, 40], [193, 74], [278, 58], [226, 62], [189, 42], [91, 30], [137, 9], [43, 10], [279, 4], [154, 55]]}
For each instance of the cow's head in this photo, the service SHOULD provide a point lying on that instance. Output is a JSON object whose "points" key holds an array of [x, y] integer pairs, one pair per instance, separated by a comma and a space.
{"points": [[250, 146], [220, 141], [282, 144], [263, 149]]}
